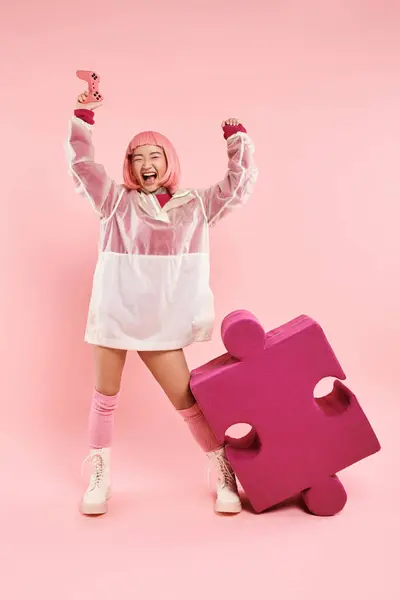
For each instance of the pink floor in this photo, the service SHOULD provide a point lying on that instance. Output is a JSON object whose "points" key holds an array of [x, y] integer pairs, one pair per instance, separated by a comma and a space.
{"points": [[161, 539]]}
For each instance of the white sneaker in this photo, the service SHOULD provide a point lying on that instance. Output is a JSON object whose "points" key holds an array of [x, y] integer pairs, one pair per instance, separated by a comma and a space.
{"points": [[228, 499], [94, 501]]}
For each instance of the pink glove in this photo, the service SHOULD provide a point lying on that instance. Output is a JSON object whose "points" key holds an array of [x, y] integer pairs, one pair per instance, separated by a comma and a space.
{"points": [[232, 129], [85, 115]]}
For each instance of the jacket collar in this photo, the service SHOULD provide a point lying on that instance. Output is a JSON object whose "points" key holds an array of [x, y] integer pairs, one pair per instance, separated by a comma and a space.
{"points": [[150, 205]]}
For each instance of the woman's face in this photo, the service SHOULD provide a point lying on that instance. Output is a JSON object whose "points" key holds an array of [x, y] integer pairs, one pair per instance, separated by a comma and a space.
{"points": [[149, 166]]}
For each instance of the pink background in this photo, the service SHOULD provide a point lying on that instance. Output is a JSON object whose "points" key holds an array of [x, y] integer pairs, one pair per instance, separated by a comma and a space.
{"points": [[317, 85]]}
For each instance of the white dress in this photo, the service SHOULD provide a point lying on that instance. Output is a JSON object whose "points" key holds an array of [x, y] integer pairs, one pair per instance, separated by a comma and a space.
{"points": [[151, 286]]}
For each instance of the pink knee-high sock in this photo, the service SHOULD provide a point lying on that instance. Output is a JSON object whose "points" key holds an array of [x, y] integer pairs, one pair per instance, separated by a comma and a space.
{"points": [[101, 420], [199, 428]]}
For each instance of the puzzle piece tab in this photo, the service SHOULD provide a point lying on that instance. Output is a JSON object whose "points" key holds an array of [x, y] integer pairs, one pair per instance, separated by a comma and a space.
{"points": [[297, 443]]}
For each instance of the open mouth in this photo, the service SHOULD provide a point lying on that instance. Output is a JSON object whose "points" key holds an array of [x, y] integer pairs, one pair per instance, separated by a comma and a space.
{"points": [[149, 178]]}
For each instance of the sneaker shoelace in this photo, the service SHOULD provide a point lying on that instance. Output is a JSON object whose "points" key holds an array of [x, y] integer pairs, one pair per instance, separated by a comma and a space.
{"points": [[226, 477], [97, 469], [225, 473]]}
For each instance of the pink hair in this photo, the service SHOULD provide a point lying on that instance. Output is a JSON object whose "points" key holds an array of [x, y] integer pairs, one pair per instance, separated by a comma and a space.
{"points": [[151, 138]]}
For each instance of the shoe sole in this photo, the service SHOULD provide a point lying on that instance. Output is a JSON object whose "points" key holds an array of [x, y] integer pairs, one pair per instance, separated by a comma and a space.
{"points": [[228, 509], [93, 510]]}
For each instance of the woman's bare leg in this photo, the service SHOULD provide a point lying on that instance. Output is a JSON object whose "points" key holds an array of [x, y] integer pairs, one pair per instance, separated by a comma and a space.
{"points": [[109, 365], [171, 371]]}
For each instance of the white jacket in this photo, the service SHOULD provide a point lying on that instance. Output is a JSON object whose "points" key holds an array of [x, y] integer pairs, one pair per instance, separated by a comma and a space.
{"points": [[151, 286]]}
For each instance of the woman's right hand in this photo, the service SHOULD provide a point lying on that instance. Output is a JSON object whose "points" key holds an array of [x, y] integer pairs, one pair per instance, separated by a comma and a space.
{"points": [[81, 104]]}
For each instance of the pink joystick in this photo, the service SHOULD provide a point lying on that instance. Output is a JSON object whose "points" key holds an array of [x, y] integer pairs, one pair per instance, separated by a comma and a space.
{"points": [[93, 81]]}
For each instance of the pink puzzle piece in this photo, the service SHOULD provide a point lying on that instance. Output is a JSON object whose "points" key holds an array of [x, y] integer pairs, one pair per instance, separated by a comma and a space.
{"points": [[297, 443]]}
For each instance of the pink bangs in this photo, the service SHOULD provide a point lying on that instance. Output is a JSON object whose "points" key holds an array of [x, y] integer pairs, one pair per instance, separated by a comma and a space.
{"points": [[152, 138]]}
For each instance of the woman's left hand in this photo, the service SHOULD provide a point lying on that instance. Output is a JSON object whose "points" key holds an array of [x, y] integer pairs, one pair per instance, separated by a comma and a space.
{"points": [[232, 122]]}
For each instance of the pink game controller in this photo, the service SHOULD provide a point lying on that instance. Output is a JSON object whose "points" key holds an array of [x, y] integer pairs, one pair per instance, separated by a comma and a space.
{"points": [[93, 81]]}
